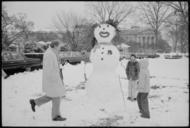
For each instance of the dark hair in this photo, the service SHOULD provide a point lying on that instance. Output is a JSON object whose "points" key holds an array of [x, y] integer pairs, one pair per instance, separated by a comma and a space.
{"points": [[113, 23], [133, 55], [94, 42], [54, 43]]}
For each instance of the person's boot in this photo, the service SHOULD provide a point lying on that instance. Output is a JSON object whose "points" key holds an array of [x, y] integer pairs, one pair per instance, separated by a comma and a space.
{"points": [[145, 116], [59, 118], [33, 104]]}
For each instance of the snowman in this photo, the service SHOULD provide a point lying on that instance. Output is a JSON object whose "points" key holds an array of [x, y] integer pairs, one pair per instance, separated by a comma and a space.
{"points": [[103, 87]]}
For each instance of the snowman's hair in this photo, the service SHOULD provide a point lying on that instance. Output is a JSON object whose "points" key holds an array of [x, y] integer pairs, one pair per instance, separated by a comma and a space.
{"points": [[110, 22], [113, 23], [115, 26], [95, 25]]}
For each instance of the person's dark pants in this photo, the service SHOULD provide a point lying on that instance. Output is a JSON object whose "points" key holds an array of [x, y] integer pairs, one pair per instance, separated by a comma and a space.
{"points": [[55, 104], [142, 101]]}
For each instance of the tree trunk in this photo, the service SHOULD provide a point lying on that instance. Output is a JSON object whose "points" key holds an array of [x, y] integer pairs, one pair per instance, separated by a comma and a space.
{"points": [[156, 41], [176, 40]]}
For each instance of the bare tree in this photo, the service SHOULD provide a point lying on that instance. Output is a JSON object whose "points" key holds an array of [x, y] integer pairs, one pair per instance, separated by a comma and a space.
{"points": [[105, 11], [180, 9], [155, 14], [14, 27], [68, 24]]}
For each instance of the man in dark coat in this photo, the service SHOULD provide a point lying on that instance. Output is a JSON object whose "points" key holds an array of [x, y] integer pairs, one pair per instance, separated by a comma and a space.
{"points": [[132, 72]]}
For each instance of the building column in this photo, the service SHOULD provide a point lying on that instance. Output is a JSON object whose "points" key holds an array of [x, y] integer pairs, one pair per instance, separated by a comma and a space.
{"points": [[141, 42], [148, 41], [153, 42]]}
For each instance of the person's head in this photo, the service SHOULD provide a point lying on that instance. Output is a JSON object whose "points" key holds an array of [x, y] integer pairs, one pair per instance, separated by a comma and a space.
{"points": [[133, 57], [55, 44]]}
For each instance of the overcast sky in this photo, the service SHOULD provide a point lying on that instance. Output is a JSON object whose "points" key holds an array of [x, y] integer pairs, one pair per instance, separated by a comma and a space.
{"points": [[42, 13]]}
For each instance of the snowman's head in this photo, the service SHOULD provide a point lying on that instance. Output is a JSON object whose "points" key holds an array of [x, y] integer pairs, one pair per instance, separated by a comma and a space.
{"points": [[104, 33]]}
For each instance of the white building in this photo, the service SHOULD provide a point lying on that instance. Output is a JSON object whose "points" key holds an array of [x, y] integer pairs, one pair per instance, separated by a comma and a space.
{"points": [[144, 36]]}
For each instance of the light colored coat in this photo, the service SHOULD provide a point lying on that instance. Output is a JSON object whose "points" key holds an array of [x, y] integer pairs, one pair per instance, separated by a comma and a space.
{"points": [[144, 77], [3, 73], [52, 82]]}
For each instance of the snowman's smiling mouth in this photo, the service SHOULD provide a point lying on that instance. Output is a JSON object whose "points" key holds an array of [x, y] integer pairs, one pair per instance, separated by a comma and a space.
{"points": [[104, 34]]}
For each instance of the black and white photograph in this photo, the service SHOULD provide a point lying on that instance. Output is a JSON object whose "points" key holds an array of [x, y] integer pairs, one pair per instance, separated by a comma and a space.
{"points": [[95, 63]]}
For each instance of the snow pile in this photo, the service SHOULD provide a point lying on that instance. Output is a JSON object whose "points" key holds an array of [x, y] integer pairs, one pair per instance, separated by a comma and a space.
{"points": [[168, 99]]}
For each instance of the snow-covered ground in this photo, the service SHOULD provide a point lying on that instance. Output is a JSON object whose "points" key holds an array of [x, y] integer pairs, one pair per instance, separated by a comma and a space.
{"points": [[168, 98]]}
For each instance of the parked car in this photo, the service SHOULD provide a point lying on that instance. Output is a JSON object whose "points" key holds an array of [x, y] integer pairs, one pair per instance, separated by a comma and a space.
{"points": [[172, 56], [14, 62], [68, 56], [35, 55], [153, 55]]}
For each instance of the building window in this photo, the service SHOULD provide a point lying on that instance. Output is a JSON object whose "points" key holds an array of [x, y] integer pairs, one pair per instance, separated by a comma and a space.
{"points": [[152, 40]]}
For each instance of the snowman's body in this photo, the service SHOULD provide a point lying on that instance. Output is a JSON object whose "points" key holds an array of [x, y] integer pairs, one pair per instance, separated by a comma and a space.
{"points": [[103, 86]]}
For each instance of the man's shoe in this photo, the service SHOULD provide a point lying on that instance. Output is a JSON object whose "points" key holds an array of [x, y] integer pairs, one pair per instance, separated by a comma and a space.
{"points": [[59, 118], [33, 104], [143, 116]]}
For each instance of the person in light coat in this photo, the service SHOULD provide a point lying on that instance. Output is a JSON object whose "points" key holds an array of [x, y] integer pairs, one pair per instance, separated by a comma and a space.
{"points": [[4, 75], [52, 82], [143, 89]]}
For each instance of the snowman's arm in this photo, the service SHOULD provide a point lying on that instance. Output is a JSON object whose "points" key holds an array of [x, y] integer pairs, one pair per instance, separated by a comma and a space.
{"points": [[91, 55], [123, 66]]}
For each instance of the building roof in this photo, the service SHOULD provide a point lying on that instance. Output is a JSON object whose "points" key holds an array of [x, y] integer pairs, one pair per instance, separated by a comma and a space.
{"points": [[136, 31]]}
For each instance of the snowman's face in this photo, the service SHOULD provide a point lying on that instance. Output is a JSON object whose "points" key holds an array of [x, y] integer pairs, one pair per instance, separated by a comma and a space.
{"points": [[104, 33]]}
